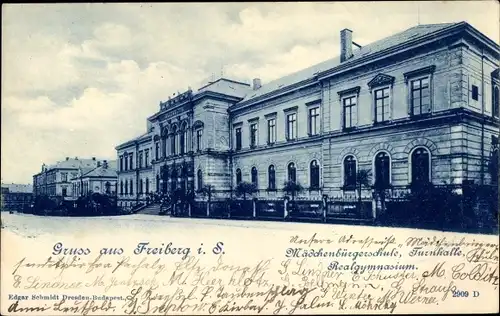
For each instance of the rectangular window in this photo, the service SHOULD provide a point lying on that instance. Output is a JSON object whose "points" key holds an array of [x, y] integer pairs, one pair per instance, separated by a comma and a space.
{"points": [[350, 112], [238, 138], [475, 92], [271, 131], [199, 139], [291, 126], [253, 134], [314, 121], [140, 162], [64, 177], [146, 157], [157, 150], [126, 163], [420, 96], [382, 105], [131, 161]]}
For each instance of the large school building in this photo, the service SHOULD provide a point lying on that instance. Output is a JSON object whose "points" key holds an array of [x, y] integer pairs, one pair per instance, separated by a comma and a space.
{"points": [[416, 107]]}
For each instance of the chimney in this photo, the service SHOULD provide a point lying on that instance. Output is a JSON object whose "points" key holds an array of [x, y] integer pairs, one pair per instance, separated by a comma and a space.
{"points": [[105, 164], [257, 83], [93, 158], [98, 163], [67, 158], [345, 44]]}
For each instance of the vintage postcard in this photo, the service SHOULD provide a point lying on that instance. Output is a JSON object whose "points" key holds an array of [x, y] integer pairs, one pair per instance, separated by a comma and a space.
{"points": [[250, 158]]}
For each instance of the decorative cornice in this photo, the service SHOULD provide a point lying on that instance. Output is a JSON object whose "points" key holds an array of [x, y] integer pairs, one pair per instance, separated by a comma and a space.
{"points": [[458, 44], [354, 90], [271, 115], [380, 80], [313, 102], [291, 109], [254, 119], [418, 72]]}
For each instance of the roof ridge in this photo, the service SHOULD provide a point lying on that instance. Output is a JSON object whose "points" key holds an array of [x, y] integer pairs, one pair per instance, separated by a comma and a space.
{"points": [[315, 68]]}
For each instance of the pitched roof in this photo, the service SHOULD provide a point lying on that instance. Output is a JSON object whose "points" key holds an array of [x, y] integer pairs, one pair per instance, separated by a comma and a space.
{"points": [[100, 171], [227, 87], [137, 138], [304, 74], [74, 163], [18, 188]]}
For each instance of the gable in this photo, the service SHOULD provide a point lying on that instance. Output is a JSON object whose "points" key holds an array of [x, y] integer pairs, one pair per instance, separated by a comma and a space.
{"points": [[380, 80]]}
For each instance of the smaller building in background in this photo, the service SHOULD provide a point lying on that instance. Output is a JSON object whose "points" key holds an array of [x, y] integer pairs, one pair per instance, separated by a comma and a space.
{"points": [[100, 179], [54, 180], [16, 197]]}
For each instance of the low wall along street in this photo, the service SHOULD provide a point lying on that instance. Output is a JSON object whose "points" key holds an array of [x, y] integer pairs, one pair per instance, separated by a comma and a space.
{"points": [[223, 267]]}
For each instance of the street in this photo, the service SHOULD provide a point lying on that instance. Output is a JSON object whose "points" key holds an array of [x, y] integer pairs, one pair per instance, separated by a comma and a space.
{"points": [[33, 226]]}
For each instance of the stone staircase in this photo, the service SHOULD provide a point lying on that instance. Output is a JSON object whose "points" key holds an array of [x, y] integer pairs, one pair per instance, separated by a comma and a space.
{"points": [[152, 209]]}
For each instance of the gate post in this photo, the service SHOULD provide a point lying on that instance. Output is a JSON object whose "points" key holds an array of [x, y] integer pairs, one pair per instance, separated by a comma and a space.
{"points": [[325, 206], [285, 209]]}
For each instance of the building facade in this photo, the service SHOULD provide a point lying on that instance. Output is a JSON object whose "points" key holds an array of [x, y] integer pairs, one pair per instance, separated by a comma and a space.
{"points": [[187, 140], [55, 180], [102, 179], [134, 170], [16, 197], [420, 106]]}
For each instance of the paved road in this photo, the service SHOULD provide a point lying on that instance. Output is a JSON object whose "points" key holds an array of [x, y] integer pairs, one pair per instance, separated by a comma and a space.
{"points": [[32, 225]]}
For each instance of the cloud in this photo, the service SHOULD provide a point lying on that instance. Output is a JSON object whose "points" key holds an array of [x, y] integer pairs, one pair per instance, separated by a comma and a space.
{"points": [[78, 79]]}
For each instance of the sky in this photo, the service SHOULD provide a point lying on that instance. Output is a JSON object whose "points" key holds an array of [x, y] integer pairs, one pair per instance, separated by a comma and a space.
{"points": [[79, 79]]}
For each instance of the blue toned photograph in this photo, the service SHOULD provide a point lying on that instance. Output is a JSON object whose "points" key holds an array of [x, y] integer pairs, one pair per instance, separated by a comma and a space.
{"points": [[260, 116], [258, 158]]}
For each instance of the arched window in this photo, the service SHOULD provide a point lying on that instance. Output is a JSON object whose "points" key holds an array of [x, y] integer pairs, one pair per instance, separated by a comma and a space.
{"points": [[420, 166], [350, 172], [121, 187], [255, 177], [292, 172], [272, 177], [200, 179], [496, 102], [382, 170], [108, 187], [183, 138], [126, 187], [131, 187], [173, 137], [314, 174], [164, 140], [157, 183], [238, 176], [147, 185]]}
